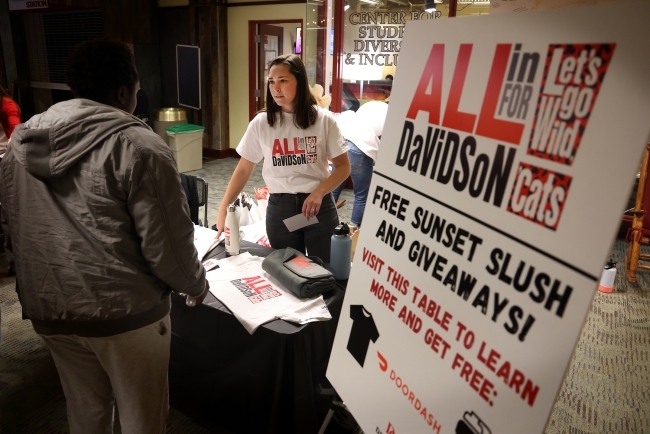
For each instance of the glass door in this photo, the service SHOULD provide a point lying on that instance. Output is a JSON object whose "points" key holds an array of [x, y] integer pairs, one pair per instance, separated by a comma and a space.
{"points": [[270, 47]]}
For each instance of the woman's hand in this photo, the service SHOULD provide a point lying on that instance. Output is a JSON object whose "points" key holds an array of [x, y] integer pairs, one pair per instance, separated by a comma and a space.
{"points": [[221, 218], [311, 205], [238, 181]]}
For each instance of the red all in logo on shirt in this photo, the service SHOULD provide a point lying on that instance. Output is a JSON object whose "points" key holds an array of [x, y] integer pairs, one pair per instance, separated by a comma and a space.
{"points": [[294, 152], [255, 288]]}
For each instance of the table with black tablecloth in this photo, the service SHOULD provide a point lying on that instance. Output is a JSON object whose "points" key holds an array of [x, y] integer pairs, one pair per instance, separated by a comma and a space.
{"points": [[266, 382]]}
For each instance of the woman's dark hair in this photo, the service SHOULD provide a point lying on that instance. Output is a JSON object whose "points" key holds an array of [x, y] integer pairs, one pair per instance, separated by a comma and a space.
{"points": [[99, 67], [305, 113]]}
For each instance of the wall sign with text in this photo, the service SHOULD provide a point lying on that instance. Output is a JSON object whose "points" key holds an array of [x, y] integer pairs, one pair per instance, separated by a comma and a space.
{"points": [[375, 38], [484, 234], [19, 5]]}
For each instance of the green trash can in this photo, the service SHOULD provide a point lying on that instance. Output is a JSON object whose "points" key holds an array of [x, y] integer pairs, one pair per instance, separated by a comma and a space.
{"points": [[186, 142]]}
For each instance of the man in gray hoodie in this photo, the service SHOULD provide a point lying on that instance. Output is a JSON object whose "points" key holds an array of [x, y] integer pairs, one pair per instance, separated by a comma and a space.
{"points": [[99, 233]]}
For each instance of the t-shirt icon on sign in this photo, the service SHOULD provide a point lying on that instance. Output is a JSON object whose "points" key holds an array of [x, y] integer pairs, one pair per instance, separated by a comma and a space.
{"points": [[472, 424], [363, 331]]}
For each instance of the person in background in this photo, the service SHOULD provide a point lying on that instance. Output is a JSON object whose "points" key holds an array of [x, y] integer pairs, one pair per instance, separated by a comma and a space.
{"points": [[362, 131], [98, 231], [387, 89], [9, 118], [295, 138]]}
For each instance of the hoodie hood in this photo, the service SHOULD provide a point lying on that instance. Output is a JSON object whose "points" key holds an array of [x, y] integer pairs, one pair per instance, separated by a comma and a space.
{"points": [[50, 143]]}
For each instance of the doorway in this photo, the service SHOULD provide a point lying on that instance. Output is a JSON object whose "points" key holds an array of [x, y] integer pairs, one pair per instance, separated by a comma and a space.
{"points": [[266, 41]]}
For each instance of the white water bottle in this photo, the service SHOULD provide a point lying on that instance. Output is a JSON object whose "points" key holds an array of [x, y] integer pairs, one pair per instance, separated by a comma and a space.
{"points": [[231, 231], [608, 277]]}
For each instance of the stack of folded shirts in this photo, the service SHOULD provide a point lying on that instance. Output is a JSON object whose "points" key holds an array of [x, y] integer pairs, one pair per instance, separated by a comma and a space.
{"points": [[254, 297], [299, 274]]}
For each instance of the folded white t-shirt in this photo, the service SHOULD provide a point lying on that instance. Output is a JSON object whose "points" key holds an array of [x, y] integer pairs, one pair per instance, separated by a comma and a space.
{"points": [[255, 233], [255, 297]]}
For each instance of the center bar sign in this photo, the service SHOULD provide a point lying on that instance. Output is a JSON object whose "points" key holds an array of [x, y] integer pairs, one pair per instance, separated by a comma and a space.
{"points": [[508, 154]]}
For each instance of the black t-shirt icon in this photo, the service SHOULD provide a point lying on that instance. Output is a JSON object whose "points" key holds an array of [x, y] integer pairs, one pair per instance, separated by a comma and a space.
{"points": [[363, 331]]}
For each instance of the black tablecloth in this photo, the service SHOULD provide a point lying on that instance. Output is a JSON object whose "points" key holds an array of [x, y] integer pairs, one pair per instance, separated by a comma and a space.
{"points": [[266, 382]]}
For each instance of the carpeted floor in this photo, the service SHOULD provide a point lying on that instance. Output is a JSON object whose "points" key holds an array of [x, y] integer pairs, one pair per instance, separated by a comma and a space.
{"points": [[606, 389], [607, 386]]}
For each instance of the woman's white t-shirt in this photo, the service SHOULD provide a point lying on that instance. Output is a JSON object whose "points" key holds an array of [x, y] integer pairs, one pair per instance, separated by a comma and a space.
{"points": [[295, 160]]}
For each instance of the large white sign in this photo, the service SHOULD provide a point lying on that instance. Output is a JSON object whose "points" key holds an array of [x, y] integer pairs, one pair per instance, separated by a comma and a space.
{"points": [[486, 228]]}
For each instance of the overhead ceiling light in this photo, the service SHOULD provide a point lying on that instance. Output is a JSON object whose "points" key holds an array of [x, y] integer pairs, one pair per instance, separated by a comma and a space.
{"points": [[429, 6]]}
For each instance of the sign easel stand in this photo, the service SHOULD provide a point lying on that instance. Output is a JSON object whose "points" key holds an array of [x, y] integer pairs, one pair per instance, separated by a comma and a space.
{"points": [[336, 403]]}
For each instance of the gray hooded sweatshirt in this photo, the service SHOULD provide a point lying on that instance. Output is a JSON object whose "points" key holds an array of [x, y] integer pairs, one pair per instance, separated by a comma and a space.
{"points": [[96, 222]]}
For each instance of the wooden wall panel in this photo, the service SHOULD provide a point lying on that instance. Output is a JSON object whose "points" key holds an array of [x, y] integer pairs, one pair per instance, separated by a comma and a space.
{"points": [[145, 21], [210, 33], [116, 20], [134, 22], [137, 22], [130, 21], [174, 25], [7, 65]]}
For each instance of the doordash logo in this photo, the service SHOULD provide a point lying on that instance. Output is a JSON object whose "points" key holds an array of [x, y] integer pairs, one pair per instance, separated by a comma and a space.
{"points": [[389, 429], [410, 395]]}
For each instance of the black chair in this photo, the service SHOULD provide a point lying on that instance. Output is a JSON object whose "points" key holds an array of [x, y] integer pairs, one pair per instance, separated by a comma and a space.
{"points": [[196, 190], [202, 190]]}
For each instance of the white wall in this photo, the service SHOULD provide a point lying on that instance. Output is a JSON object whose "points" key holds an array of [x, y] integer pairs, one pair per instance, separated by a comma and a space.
{"points": [[289, 36], [238, 18]]}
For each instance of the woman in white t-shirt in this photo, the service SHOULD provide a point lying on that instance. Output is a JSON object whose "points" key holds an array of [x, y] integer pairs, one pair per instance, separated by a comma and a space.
{"points": [[295, 138]]}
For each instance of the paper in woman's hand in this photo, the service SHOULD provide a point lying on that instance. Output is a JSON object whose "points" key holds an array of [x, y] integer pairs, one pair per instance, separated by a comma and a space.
{"points": [[299, 221]]}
